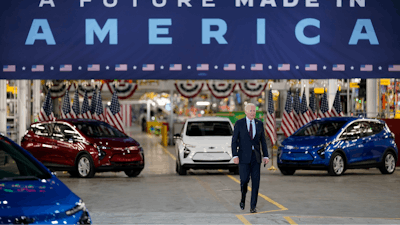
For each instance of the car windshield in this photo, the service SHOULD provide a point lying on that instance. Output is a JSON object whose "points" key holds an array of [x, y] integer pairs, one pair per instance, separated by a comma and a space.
{"points": [[98, 130], [211, 128], [320, 128], [15, 165]]}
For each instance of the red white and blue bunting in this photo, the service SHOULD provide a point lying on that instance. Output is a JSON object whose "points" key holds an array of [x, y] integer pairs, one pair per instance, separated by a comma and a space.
{"points": [[221, 88], [89, 87], [123, 88], [58, 88], [189, 89], [253, 88]]}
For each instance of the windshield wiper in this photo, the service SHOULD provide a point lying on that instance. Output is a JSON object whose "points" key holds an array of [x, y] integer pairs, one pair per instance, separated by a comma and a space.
{"points": [[21, 178]]}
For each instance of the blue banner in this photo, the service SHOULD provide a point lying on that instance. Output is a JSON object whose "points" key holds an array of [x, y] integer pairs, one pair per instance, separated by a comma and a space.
{"points": [[199, 39]]}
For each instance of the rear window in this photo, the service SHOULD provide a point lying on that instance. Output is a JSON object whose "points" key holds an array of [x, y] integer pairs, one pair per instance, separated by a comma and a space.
{"points": [[212, 128]]}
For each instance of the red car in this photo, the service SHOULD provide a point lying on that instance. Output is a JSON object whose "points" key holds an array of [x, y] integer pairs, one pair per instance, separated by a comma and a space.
{"points": [[83, 147]]}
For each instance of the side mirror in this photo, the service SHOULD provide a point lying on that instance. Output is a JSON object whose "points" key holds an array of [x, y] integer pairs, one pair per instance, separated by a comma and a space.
{"points": [[177, 136]]}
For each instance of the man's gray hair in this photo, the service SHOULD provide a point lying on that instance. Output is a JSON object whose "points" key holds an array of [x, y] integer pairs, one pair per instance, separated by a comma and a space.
{"points": [[246, 108]]}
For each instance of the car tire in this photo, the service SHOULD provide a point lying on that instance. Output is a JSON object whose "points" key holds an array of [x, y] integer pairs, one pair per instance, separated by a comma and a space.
{"points": [[132, 173], [180, 169], [388, 163], [287, 171], [234, 170], [85, 166], [337, 165]]}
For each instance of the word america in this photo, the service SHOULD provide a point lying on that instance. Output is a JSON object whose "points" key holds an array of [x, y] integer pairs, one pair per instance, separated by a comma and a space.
{"points": [[159, 26], [211, 4]]}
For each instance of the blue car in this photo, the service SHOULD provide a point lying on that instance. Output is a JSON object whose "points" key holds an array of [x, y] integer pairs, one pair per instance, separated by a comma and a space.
{"points": [[339, 143], [31, 194]]}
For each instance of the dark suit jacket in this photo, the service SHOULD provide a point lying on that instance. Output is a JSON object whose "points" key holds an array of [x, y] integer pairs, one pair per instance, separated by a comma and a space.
{"points": [[242, 143]]}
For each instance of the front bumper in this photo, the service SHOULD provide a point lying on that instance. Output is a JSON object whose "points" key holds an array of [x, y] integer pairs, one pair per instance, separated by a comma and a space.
{"points": [[210, 166], [302, 160]]}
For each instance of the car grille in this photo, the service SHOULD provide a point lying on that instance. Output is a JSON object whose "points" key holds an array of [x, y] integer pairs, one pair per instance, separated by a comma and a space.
{"points": [[298, 162], [211, 160]]}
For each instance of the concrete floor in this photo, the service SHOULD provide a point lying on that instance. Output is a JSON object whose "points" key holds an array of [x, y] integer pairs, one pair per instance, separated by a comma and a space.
{"points": [[160, 196]]}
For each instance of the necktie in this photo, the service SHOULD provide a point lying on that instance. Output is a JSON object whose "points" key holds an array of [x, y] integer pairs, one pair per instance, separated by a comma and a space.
{"points": [[251, 129]]}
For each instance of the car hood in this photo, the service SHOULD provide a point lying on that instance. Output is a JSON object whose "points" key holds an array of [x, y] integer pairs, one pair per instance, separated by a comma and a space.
{"points": [[306, 141], [116, 142], [208, 141], [35, 198]]}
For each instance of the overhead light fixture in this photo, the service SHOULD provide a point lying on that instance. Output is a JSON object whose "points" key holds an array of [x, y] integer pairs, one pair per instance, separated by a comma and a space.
{"points": [[202, 103]]}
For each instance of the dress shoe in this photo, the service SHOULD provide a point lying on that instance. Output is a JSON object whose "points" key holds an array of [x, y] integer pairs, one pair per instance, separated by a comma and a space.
{"points": [[253, 210], [242, 205]]}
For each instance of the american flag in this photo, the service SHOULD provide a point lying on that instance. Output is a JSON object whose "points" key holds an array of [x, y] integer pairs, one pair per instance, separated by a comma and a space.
{"points": [[75, 106], [66, 68], [284, 67], [270, 125], [288, 126], [202, 67], [9, 68], [230, 67], [86, 108], [148, 67], [126, 114], [366, 68], [256, 67], [336, 110], [93, 103], [93, 67], [311, 67], [338, 67], [175, 67], [323, 111], [46, 112], [394, 68], [98, 113], [66, 107], [304, 119], [296, 110], [121, 67], [37, 68], [113, 115], [312, 107]]}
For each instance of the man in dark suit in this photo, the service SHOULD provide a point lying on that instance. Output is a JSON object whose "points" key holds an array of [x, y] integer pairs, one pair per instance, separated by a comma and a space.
{"points": [[246, 140]]}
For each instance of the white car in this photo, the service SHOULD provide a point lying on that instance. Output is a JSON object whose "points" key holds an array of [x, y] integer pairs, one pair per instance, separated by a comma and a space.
{"points": [[205, 143]]}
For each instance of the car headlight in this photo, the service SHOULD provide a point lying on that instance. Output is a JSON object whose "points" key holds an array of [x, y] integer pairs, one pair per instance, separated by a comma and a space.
{"points": [[100, 149], [79, 207], [189, 146], [133, 148], [322, 148], [186, 152]]}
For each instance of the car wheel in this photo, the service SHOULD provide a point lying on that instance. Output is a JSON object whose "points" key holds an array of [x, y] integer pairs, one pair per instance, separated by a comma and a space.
{"points": [[132, 173], [85, 166], [234, 170], [336, 166], [287, 171], [179, 169], [389, 164]]}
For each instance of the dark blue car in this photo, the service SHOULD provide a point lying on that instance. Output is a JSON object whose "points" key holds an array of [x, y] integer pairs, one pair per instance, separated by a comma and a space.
{"points": [[339, 143], [31, 194]]}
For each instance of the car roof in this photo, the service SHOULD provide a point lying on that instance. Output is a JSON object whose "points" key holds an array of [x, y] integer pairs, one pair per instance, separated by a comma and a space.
{"points": [[208, 118], [348, 119], [70, 121]]}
